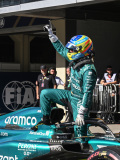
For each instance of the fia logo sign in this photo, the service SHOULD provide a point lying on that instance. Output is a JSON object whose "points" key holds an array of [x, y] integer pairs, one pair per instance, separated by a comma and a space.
{"points": [[17, 95]]}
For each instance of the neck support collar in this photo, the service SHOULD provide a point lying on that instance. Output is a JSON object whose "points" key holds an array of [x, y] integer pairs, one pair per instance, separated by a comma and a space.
{"points": [[80, 63]]}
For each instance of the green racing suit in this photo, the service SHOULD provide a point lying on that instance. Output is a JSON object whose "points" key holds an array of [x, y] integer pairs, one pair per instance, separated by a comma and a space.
{"points": [[83, 81]]}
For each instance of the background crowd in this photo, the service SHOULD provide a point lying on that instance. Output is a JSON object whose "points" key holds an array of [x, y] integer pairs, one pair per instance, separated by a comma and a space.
{"points": [[109, 77], [48, 79]]}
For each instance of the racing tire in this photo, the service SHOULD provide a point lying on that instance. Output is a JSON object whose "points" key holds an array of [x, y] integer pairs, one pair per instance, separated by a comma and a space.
{"points": [[106, 153]]}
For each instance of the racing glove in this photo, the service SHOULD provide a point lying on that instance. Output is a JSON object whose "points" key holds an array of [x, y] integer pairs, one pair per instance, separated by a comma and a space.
{"points": [[53, 38], [80, 117]]}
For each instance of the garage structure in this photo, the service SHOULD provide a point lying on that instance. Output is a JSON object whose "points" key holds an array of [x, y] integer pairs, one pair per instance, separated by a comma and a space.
{"points": [[25, 46], [99, 19]]}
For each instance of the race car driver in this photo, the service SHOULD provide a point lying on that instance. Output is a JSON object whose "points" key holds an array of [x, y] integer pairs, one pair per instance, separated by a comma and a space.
{"points": [[79, 52]]}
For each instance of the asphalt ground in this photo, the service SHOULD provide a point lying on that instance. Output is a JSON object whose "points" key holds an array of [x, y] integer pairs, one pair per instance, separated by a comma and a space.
{"points": [[114, 127]]}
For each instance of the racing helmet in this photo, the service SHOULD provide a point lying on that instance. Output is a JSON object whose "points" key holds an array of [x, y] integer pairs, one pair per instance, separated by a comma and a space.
{"points": [[78, 47]]}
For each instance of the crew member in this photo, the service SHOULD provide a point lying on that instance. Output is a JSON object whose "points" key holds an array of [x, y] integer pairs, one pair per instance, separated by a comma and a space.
{"points": [[58, 80], [67, 83], [45, 80], [109, 77]]}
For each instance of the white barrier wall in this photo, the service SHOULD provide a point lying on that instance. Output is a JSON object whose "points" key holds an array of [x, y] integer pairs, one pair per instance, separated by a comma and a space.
{"points": [[43, 5]]}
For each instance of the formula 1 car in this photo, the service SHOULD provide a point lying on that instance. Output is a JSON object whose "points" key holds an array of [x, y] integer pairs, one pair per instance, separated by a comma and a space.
{"points": [[56, 141]]}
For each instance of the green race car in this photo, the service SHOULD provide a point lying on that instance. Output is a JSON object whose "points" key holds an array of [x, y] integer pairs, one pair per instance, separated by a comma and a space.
{"points": [[56, 141]]}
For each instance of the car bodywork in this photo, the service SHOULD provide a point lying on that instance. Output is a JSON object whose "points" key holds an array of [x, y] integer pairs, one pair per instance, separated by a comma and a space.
{"points": [[57, 141]]}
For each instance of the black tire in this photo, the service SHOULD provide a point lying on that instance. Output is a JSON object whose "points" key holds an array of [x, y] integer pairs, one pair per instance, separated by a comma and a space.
{"points": [[106, 153]]}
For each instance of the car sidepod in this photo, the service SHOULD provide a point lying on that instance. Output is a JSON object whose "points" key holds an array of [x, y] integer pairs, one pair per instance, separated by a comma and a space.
{"points": [[44, 134], [99, 143], [26, 117], [20, 150]]}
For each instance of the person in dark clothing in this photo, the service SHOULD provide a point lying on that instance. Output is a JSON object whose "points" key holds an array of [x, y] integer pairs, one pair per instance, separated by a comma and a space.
{"points": [[44, 81], [67, 83], [58, 80]]}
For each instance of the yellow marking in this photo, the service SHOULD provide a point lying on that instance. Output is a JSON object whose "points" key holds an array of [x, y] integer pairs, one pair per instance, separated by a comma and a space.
{"points": [[16, 22], [69, 55], [104, 153], [32, 20], [117, 133], [82, 38]]}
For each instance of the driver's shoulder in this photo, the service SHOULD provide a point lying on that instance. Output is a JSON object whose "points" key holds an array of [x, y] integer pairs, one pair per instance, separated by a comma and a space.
{"points": [[87, 67]]}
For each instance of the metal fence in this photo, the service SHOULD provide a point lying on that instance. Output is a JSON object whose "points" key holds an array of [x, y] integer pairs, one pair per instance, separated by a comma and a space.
{"points": [[106, 101]]}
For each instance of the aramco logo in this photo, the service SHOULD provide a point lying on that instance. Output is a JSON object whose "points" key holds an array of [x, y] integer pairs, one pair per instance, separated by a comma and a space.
{"points": [[17, 95]]}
